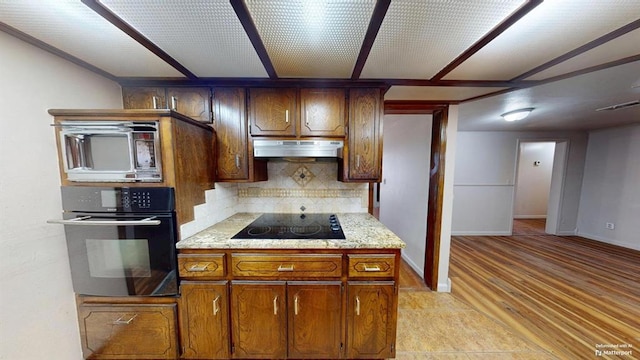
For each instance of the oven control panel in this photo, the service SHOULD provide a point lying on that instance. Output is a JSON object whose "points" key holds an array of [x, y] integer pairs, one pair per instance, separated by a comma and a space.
{"points": [[118, 199]]}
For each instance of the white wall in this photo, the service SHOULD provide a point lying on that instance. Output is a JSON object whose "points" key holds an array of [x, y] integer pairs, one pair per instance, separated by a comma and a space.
{"points": [[485, 170], [535, 164], [404, 189], [611, 187], [37, 306]]}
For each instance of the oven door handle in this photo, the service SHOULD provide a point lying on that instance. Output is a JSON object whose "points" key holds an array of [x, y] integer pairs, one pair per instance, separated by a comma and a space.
{"points": [[83, 221]]}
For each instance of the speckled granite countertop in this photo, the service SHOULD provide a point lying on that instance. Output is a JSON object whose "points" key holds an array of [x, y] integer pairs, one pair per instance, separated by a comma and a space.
{"points": [[362, 231]]}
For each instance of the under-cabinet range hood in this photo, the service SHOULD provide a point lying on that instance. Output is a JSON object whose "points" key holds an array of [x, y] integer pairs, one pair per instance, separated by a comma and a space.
{"points": [[297, 148]]}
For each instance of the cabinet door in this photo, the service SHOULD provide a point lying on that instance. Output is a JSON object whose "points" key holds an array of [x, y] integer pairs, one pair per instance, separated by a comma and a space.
{"points": [[365, 149], [193, 102], [322, 112], [273, 112], [231, 128], [144, 98], [315, 311], [371, 320], [258, 320], [128, 331], [204, 323]]}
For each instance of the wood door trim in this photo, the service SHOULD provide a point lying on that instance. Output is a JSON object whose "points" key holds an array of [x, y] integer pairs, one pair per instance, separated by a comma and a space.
{"points": [[436, 195]]}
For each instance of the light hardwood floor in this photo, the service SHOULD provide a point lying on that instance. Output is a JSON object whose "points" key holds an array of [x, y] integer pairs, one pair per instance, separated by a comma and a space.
{"points": [[568, 295]]}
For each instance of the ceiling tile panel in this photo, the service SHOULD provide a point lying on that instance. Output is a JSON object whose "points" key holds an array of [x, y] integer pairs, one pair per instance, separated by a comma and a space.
{"points": [[72, 27], [622, 47], [436, 93], [206, 37], [312, 38], [550, 30], [418, 38]]}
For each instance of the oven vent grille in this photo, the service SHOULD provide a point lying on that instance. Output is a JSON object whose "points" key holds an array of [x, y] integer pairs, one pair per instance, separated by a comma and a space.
{"points": [[620, 106]]}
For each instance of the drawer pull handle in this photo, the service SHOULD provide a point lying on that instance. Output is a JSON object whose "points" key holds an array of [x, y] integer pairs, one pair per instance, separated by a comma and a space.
{"points": [[358, 305], [124, 322], [216, 307], [198, 267], [372, 268], [295, 305], [174, 103], [285, 267], [275, 305], [286, 116]]}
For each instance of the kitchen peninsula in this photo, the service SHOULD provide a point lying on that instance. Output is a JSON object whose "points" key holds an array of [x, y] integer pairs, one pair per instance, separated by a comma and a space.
{"points": [[289, 298]]}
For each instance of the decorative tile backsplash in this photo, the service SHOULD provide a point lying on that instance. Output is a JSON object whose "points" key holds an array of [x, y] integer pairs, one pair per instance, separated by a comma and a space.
{"points": [[292, 185]]}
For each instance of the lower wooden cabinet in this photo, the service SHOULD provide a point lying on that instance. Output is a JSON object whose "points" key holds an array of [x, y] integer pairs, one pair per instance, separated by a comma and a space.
{"points": [[288, 304], [204, 319], [314, 319], [371, 319], [258, 320], [116, 331]]}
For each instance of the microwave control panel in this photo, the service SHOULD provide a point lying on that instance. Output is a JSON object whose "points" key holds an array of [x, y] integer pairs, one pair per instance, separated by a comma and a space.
{"points": [[118, 199]]}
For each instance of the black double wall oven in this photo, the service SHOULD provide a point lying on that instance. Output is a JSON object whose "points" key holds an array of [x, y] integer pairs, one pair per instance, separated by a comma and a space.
{"points": [[121, 240]]}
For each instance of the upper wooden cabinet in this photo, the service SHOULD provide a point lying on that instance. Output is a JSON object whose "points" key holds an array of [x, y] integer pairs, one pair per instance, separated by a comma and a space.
{"points": [[194, 102], [317, 112], [235, 154], [363, 152], [322, 112], [273, 111]]}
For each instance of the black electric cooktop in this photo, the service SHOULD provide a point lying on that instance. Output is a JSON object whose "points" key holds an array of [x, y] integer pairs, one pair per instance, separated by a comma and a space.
{"points": [[293, 226]]}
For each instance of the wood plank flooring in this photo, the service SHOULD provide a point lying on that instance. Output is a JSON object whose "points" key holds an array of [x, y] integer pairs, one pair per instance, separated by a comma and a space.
{"points": [[566, 294], [529, 226]]}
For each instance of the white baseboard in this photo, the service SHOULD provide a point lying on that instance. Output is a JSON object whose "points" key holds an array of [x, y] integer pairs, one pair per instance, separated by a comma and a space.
{"points": [[445, 287], [481, 233], [566, 233], [529, 216], [413, 266], [609, 241]]}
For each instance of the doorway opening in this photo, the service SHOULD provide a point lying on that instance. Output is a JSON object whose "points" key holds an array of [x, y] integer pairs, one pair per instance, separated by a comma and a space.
{"points": [[538, 187]]}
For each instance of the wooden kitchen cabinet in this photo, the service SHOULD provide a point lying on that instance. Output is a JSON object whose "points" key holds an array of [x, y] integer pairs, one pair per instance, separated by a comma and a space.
{"points": [[371, 319], [194, 102], [362, 161], [322, 112], [273, 111], [235, 162], [128, 331], [204, 320], [144, 98], [314, 319], [258, 319], [290, 304]]}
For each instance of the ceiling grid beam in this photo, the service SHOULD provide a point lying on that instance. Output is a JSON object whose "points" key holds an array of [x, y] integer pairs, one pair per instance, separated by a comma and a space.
{"points": [[584, 48], [377, 17], [478, 45], [134, 34], [242, 12]]}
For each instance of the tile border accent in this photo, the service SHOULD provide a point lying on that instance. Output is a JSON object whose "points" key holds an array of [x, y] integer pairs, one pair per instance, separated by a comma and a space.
{"points": [[300, 193]]}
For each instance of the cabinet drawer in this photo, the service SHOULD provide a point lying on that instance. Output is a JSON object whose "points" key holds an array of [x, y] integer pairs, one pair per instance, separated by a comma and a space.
{"points": [[129, 331], [286, 266], [197, 266], [374, 265]]}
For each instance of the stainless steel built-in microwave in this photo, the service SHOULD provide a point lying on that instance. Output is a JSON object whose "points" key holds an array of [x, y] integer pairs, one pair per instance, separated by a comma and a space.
{"points": [[111, 151]]}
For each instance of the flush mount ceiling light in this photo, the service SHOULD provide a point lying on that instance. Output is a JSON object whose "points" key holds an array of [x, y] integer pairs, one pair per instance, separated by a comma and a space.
{"points": [[516, 115]]}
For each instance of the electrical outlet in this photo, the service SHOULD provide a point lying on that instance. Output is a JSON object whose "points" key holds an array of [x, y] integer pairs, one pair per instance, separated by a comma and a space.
{"points": [[610, 226]]}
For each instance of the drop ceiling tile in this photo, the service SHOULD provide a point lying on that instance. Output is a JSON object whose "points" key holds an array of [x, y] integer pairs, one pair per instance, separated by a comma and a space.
{"points": [[312, 38], [418, 38], [624, 46], [72, 27], [550, 30], [451, 93], [206, 37]]}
